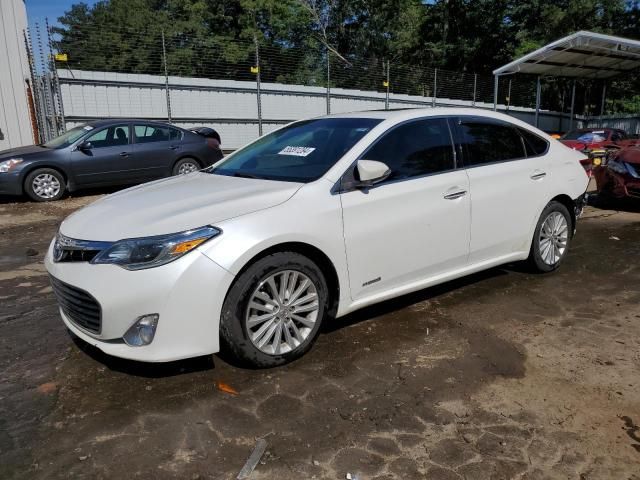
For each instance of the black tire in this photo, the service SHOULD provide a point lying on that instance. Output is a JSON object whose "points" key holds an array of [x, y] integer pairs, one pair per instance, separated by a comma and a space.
{"points": [[189, 163], [42, 174], [536, 261], [234, 333]]}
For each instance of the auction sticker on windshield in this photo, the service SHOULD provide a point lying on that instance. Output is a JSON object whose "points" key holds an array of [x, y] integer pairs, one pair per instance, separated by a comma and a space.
{"points": [[296, 151]]}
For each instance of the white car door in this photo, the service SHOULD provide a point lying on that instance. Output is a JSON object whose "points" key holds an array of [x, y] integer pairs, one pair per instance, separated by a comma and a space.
{"points": [[415, 224], [508, 188]]}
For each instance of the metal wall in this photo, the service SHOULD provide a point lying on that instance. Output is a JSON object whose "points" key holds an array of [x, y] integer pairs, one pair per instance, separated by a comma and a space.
{"points": [[15, 122], [628, 123], [230, 106]]}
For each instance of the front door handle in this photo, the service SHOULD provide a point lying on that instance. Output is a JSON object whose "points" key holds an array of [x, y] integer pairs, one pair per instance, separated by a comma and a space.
{"points": [[538, 175], [174, 147], [124, 154], [456, 194]]}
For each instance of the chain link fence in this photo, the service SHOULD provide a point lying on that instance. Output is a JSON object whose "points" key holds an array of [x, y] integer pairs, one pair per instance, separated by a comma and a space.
{"points": [[284, 82]]}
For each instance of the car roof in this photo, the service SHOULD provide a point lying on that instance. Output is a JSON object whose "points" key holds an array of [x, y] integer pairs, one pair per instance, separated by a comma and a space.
{"points": [[399, 115], [114, 121]]}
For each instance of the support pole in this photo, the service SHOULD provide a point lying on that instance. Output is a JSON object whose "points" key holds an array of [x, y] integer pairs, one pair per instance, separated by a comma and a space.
{"points": [[255, 41], [166, 78], [328, 81], [538, 92], [435, 87], [509, 96], [475, 85], [495, 93], [386, 100], [604, 98], [573, 103]]}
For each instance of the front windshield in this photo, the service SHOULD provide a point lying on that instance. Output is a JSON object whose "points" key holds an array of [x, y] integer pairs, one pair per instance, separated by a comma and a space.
{"points": [[68, 137], [588, 136], [301, 152]]}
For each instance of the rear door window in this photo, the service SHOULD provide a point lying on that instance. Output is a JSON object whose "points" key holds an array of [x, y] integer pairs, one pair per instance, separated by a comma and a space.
{"points": [[419, 147], [486, 141], [533, 144], [155, 133]]}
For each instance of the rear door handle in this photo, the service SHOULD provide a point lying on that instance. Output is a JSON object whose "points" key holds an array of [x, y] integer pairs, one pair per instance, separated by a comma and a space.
{"points": [[454, 195], [124, 154], [538, 175], [174, 147]]}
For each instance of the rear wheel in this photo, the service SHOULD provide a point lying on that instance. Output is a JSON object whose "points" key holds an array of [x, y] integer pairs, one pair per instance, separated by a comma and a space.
{"points": [[45, 185], [186, 165], [551, 238], [273, 312]]}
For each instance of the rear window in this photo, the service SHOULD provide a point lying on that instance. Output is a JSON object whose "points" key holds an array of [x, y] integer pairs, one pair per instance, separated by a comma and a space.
{"points": [[533, 144]]}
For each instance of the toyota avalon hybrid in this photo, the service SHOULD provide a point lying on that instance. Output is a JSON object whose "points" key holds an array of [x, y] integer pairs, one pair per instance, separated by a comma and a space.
{"points": [[315, 220]]}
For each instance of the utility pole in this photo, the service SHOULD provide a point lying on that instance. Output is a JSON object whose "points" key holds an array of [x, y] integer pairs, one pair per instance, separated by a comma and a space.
{"points": [[166, 78], [386, 84], [328, 80], [257, 71]]}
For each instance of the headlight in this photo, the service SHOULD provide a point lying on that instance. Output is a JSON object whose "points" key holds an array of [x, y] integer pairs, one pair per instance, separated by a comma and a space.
{"points": [[7, 165], [148, 252]]}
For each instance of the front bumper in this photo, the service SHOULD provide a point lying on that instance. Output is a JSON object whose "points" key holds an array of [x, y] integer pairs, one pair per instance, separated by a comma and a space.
{"points": [[10, 183], [187, 294]]}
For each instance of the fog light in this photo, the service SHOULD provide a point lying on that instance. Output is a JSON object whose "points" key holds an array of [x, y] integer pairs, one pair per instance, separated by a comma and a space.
{"points": [[142, 331]]}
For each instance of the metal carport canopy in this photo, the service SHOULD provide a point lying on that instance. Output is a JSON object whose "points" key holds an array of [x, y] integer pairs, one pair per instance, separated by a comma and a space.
{"points": [[583, 54]]}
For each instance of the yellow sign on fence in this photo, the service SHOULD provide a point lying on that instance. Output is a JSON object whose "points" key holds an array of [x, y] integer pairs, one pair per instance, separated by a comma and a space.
{"points": [[61, 57], [255, 69]]}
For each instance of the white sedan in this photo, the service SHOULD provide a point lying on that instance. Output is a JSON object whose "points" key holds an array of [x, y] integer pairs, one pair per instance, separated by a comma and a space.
{"points": [[315, 220]]}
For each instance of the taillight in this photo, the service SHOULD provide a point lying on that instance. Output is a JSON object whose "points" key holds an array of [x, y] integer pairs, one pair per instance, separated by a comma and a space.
{"points": [[212, 143]]}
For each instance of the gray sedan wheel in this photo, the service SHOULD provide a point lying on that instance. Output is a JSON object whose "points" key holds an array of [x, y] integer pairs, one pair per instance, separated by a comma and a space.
{"points": [[45, 185], [186, 165]]}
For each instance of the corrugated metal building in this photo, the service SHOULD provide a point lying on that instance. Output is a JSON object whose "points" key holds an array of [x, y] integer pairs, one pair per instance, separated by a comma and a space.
{"points": [[15, 123]]}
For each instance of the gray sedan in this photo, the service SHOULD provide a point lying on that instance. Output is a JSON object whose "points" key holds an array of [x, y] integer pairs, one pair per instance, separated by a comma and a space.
{"points": [[104, 153]]}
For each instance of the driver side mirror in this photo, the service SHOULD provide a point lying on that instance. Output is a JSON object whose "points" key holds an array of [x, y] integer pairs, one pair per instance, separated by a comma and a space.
{"points": [[85, 146], [371, 172]]}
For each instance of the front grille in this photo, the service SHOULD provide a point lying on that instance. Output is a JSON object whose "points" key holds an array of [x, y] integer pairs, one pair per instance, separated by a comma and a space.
{"points": [[79, 306], [77, 255]]}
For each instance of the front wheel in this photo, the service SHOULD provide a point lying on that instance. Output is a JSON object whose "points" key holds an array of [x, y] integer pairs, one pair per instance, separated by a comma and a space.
{"points": [[551, 238], [45, 185], [273, 312]]}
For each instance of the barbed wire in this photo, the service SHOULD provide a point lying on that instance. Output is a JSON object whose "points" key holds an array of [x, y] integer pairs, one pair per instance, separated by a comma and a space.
{"points": [[152, 52]]}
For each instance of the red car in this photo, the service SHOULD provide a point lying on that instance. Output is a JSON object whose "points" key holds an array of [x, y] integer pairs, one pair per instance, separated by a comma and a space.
{"points": [[596, 142], [620, 177], [595, 138]]}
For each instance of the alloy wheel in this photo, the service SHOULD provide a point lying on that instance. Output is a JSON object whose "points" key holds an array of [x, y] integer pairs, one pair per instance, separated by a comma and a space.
{"points": [[46, 186], [553, 239], [187, 167], [282, 312]]}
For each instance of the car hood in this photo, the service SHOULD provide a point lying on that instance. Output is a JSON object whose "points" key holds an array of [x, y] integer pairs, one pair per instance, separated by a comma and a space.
{"points": [[174, 205], [22, 152]]}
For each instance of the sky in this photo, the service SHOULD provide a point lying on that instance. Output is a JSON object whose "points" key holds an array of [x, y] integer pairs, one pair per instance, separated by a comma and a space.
{"points": [[38, 10]]}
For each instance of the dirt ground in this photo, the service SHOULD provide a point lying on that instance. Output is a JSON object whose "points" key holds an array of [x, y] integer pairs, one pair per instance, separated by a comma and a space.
{"points": [[504, 375]]}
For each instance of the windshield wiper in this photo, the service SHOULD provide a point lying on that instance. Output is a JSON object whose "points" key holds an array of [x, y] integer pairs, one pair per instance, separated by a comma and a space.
{"points": [[245, 175]]}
